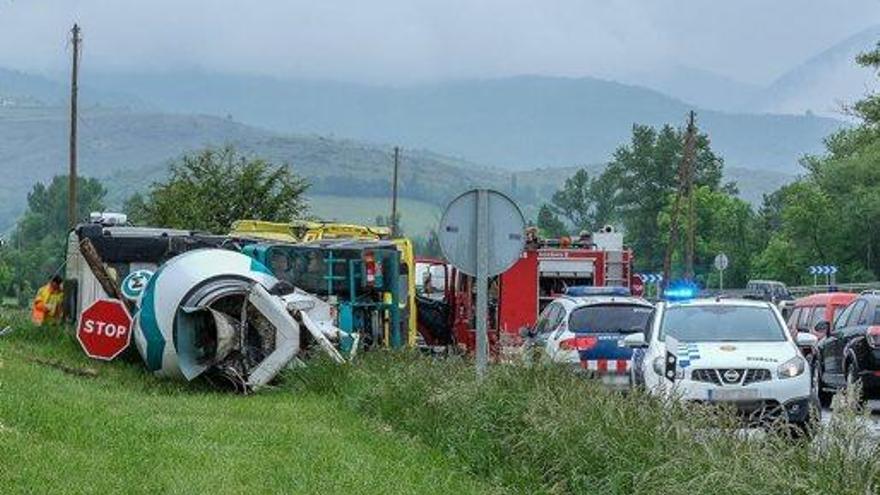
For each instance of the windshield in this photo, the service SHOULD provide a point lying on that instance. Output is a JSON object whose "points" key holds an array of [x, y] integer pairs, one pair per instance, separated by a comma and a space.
{"points": [[609, 318], [721, 323]]}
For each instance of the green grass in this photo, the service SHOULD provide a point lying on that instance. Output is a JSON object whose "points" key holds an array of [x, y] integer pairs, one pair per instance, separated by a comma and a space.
{"points": [[388, 423], [125, 431], [417, 217]]}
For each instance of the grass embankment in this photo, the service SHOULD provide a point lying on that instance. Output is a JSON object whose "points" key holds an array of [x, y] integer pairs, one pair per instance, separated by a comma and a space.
{"points": [[389, 423], [545, 430], [122, 430]]}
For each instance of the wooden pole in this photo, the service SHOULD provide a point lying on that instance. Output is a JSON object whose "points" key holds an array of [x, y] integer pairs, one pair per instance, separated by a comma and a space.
{"points": [[72, 173], [394, 192], [689, 150]]}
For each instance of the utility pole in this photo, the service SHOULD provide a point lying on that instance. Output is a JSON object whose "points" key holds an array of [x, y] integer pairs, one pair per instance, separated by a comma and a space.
{"points": [[689, 152], [685, 193], [394, 192], [71, 177]]}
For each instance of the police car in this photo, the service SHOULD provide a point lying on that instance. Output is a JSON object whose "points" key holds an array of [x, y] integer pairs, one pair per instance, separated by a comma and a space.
{"points": [[728, 351], [587, 332]]}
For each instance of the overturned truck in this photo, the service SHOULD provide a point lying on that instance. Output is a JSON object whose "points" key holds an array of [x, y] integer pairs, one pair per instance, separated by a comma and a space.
{"points": [[220, 313], [201, 307]]}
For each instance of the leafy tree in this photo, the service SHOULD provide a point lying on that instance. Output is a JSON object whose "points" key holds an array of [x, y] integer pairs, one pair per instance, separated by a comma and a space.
{"points": [[574, 202], [36, 248], [587, 203], [549, 225], [644, 173], [832, 215], [46, 214], [779, 260], [211, 189], [724, 224]]}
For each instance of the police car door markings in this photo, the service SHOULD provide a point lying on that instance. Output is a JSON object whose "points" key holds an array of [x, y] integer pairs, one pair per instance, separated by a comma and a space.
{"points": [[687, 352]]}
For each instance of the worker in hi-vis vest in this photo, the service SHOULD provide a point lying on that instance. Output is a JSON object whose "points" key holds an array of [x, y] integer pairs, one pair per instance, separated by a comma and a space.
{"points": [[48, 307]]}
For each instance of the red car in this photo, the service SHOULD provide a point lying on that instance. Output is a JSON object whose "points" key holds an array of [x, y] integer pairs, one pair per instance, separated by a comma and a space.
{"points": [[809, 311]]}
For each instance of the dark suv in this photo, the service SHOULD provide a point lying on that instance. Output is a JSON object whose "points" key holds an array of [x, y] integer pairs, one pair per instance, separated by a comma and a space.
{"points": [[850, 353]]}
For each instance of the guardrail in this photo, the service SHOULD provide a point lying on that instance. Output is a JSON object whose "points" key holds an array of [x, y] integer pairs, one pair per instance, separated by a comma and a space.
{"points": [[802, 290], [806, 290]]}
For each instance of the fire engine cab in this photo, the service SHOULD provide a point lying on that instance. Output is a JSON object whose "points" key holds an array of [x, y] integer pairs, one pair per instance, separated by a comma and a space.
{"points": [[546, 268]]}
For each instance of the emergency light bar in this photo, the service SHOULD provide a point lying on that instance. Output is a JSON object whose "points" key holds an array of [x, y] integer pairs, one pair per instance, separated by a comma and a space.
{"points": [[586, 290], [681, 291]]}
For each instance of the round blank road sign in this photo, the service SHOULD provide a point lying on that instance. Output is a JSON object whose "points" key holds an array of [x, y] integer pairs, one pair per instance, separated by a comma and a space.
{"points": [[721, 262], [505, 232]]}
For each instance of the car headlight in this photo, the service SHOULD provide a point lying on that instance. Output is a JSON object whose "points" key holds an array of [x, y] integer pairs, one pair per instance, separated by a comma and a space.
{"points": [[659, 365], [791, 368]]}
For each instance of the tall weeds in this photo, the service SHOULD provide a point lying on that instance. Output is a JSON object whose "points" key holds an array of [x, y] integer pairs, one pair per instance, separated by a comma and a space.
{"points": [[545, 430]]}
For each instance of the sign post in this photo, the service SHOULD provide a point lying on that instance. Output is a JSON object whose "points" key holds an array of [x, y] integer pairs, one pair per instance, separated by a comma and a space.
{"points": [[721, 264], [104, 329], [828, 270], [481, 234]]}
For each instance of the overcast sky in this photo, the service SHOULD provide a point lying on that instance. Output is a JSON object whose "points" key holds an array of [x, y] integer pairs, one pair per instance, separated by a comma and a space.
{"points": [[380, 41]]}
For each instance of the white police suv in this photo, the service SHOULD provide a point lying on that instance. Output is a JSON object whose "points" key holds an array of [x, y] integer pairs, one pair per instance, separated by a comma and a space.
{"points": [[727, 351], [587, 332]]}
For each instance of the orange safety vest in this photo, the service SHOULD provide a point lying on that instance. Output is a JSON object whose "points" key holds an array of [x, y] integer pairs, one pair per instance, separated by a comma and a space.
{"points": [[47, 305]]}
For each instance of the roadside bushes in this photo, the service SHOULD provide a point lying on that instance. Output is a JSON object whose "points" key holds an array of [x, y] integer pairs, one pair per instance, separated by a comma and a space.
{"points": [[545, 430]]}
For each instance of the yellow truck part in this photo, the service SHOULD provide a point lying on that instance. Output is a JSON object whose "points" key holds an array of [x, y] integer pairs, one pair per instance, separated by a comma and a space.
{"points": [[262, 230]]}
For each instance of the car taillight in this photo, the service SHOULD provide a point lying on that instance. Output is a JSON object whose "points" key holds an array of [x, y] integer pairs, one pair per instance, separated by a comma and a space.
{"points": [[370, 268], [578, 343], [873, 336]]}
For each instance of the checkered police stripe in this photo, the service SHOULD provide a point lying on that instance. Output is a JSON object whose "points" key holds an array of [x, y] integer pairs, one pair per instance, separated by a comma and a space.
{"points": [[618, 366], [687, 353]]}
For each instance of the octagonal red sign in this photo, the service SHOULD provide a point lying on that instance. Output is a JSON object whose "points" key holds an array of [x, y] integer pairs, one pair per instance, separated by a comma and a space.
{"points": [[104, 329]]}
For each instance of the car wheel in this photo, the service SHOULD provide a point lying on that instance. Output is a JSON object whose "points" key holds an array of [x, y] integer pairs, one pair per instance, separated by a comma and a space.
{"points": [[823, 394]]}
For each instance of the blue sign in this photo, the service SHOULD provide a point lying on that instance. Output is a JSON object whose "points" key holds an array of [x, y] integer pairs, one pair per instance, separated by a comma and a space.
{"points": [[651, 278], [822, 270]]}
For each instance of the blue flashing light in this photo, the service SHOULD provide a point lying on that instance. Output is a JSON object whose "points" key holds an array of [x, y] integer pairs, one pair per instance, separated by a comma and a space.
{"points": [[586, 291], [681, 291]]}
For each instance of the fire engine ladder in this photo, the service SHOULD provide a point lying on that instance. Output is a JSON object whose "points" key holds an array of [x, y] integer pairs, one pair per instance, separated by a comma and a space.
{"points": [[615, 270]]}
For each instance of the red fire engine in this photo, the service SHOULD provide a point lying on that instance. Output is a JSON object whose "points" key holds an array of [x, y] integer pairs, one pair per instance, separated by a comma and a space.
{"points": [[545, 269]]}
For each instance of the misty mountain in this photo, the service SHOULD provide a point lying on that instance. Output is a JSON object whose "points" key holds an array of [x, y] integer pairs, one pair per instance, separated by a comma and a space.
{"points": [[24, 89], [699, 87], [825, 82], [513, 123]]}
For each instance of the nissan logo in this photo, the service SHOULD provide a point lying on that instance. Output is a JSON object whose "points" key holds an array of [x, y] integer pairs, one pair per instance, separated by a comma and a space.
{"points": [[731, 376]]}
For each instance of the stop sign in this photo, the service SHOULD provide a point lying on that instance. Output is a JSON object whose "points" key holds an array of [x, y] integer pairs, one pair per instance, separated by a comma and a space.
{"points": [[104, 329]]}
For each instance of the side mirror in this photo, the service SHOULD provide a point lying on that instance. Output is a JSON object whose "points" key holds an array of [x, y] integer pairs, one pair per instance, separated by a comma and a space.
{"points": [[526, 332], [635, 341], [822, 327], [806, 339]]}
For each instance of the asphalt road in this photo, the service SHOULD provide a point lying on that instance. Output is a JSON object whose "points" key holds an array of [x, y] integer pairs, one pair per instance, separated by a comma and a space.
{"points": [[874, 418]]}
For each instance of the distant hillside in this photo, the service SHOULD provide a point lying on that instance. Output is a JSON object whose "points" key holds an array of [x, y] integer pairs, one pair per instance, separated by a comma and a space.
{"points": [[825, 82], [130, 150], [517, 122]]}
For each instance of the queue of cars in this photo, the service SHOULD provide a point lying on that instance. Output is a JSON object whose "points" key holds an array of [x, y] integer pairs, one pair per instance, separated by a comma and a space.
{"points": [[734, 351]]}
